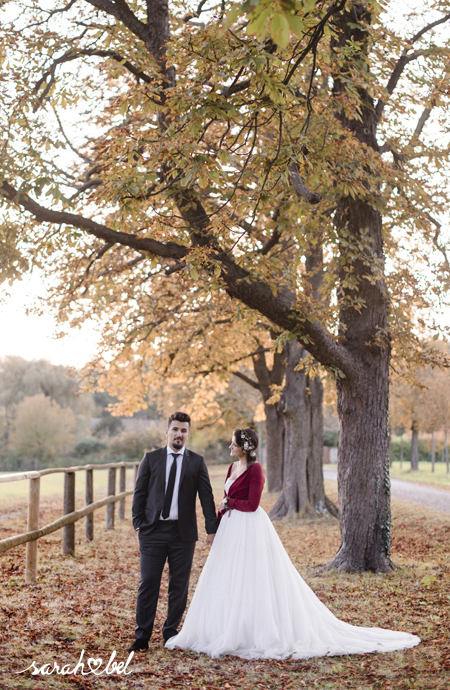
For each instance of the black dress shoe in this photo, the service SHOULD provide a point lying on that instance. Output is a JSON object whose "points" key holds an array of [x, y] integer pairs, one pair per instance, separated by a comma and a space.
{"points": [[138, 646]]}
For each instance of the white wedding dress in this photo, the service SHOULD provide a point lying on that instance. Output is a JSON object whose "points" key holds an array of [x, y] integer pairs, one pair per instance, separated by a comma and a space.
{"points": [[251, 602]]}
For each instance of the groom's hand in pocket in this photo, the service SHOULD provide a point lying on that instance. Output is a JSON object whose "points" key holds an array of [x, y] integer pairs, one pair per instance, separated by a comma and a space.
{"points": [[210, 538]]}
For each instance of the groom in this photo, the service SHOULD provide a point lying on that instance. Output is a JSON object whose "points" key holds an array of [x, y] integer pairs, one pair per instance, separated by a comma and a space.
{"points": [[164, 516]]}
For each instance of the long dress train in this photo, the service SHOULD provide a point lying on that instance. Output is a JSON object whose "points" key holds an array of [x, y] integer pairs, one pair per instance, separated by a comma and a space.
{"points": [[251, 602]]}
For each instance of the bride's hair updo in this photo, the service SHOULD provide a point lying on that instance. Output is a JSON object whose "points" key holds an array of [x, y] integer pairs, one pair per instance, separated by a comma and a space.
{"points": [[247, 439]]}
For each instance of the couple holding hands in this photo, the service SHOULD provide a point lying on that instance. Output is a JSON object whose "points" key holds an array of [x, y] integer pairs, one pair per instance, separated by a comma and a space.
{"points": [[250, 601]]}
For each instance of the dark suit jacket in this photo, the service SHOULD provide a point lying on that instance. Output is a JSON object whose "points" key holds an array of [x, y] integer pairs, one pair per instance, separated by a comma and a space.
{"points": [[245, 491], [148, 498]]}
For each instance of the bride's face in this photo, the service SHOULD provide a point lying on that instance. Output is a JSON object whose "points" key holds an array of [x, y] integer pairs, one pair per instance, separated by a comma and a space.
{"points": [[235, 450]]}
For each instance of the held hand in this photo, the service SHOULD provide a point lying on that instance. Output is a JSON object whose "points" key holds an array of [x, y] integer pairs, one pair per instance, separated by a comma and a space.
{"points": [[222, 506], [209, 538]]}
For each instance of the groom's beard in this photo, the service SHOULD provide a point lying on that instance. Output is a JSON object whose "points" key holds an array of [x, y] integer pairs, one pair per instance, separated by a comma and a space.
{"points": [[177, 444]]}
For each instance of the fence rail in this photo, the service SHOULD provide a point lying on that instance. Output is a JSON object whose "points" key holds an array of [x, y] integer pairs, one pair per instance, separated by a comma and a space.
{"points": [[70, 515]]}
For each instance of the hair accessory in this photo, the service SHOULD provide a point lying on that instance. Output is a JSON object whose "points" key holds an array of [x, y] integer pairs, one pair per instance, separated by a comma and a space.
{"points": [[248, 445]]}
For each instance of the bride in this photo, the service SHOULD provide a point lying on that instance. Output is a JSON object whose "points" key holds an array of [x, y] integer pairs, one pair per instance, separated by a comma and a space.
{"points": [[250, 601]]}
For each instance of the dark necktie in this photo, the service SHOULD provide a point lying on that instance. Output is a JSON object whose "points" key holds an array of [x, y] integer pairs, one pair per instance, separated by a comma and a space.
{"points": [[170, 486]]}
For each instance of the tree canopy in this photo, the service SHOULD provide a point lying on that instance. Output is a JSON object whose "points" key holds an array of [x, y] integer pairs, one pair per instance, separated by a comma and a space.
{"points": [[210, 171]]}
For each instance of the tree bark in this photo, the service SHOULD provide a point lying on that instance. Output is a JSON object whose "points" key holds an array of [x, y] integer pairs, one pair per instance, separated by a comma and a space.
{"points": [[274, 447], [274, 419], [363, 471], [316, 490], [363, 392], [414, 446], [301, 405]]}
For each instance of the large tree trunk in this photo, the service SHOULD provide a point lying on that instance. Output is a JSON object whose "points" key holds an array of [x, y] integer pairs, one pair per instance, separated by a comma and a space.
{"points": [[363, 394], [316, 491], [274, 447], [414, 446], [274, 419], [303, 492], [363, 470]]}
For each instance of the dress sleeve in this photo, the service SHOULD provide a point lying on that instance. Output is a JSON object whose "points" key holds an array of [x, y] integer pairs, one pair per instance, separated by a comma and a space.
{"points": [[256, 485]]}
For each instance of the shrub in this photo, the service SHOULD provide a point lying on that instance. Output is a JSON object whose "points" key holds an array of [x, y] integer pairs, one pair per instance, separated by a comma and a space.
{"points": [[424, 452], [133, 444], [330, 437], [88, 446], [108, 426]]}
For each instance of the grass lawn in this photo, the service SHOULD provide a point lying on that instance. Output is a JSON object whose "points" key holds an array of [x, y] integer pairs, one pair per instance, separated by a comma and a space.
{"points": [[439, 478], [88, 602]]}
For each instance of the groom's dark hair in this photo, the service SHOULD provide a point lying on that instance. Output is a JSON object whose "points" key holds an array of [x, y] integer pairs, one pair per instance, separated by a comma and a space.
{"points": [[179, 417]]}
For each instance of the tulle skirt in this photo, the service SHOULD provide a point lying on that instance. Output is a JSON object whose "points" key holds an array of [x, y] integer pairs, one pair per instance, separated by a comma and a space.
{"points": [[251, 602]]}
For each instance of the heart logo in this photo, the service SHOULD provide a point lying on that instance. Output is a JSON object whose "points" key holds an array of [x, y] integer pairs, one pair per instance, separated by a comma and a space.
{"points": [[96, 663]]}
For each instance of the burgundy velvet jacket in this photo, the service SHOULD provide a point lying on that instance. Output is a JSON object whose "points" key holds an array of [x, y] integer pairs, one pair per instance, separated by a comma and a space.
{"points": [[245, 491]]}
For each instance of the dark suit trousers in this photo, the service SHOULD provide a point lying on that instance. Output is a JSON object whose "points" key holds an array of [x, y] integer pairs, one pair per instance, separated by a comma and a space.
{"points": [[161, 544]]}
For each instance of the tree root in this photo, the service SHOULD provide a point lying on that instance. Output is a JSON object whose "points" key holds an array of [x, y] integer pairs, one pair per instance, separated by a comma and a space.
{"points": [[282, 510], [331, 507], [344, 562]]}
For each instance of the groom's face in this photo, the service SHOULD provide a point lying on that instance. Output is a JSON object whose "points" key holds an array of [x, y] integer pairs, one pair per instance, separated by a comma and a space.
{"points": [[177, 434]]}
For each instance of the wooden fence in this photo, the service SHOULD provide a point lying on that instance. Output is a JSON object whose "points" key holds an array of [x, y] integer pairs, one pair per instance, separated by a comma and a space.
{"points": [[70, 515]]}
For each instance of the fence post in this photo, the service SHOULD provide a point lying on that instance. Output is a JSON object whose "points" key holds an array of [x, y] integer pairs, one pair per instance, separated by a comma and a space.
{"points": [[69, 507], [89, 519], [122, 486], [111, 492], [136, 470], [33, 523]]}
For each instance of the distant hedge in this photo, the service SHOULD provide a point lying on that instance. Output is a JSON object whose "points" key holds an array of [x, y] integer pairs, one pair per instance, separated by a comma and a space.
{"points": [[330, 437], [424, 451]]}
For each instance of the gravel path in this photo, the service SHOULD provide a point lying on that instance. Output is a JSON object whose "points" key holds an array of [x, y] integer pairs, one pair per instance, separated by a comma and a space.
{"points": [[428, 497]]}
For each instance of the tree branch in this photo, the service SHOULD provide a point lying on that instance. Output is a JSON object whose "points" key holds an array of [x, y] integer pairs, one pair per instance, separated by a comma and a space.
{"points": [[298, 184], [420, 33], [247, 379], [170, 250], [271, 242], [317, 33], [405, 59], [69, 143], [421, 124], [85, 186], [278, 308], [68, 57], [173, 269], [197, 12], [121, 11]]}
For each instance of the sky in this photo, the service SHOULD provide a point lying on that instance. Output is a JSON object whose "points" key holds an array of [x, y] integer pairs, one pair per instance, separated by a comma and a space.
{"points": [[32, 336]]}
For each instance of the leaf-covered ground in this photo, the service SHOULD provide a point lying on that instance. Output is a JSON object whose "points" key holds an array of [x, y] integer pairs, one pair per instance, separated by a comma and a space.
{"points": [[88, 602]]}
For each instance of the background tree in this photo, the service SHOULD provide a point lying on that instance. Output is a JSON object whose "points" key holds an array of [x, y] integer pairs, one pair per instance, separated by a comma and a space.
{"points": [[208, 145], [437, 406], [20, 378], [408, 409], [42, 429]]}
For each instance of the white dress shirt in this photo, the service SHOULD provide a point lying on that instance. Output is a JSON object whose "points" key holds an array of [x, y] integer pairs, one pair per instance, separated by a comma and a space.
{"points": [[173, 515]]}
